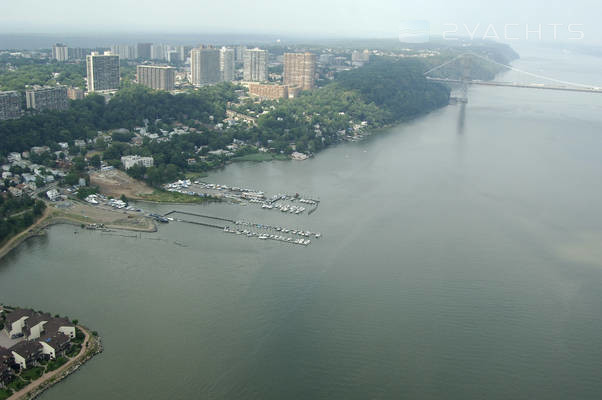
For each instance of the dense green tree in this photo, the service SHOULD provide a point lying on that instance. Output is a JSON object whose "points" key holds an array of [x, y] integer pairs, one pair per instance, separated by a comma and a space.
{"points": [[95, 161]]}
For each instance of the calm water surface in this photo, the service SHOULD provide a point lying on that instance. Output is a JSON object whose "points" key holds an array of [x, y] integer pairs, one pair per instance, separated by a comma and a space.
{"points": [[461, 259]]}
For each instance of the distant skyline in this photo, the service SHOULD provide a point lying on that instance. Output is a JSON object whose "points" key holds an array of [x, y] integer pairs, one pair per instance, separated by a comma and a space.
{"points": [[308, 18]]}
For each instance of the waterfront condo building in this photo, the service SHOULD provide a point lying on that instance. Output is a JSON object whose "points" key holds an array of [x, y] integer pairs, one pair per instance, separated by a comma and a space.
{"points": [[204, 66], [226, 64], [255, 65], [156, 77], [103, 71], [300, 70], [10, 105], [47, 98]]}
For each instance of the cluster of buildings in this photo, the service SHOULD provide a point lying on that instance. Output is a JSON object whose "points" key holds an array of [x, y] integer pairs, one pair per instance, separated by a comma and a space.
{"points": [[200, 66], [140, 51], [151, 51], [33, 337], [299, 73], [20, 175], [37, 98]]}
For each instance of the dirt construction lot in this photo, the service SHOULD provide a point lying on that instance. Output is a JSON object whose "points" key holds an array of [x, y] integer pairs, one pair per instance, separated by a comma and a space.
{"points": [[115, 183], [84, 213]]}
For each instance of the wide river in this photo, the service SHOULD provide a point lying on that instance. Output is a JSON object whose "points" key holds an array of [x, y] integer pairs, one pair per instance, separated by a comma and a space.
{"points": [[461, 258]]}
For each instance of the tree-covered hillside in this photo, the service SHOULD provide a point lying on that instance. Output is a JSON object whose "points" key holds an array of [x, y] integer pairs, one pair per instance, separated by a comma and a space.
{"points": [[127, 109], [396, 86]]}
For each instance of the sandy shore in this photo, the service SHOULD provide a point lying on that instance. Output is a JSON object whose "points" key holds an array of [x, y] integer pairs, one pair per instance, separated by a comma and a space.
{"points": [[78, 214]]}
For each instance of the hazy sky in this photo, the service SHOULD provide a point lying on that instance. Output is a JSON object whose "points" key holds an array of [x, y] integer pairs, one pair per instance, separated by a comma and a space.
{"points": [[352, 18]]}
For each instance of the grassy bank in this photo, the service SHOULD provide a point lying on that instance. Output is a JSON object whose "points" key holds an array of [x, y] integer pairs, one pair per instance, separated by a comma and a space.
{"points": [[196, 175], [258, 157], [163, 196]]}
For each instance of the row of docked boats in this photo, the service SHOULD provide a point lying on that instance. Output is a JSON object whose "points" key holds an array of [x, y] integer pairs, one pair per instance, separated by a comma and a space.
{"points": [[265, 236], [298, 232], [291, 209]]}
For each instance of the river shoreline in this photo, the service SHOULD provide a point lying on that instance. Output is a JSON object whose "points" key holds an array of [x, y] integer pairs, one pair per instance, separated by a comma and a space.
{"points": [[49, 220], [52, 217]]}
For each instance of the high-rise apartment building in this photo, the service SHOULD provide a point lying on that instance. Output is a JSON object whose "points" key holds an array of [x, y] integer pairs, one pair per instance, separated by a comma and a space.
{"points": [[47, 98], [103, 71], [182, 52], [60, 52], [143, 50], [300, 70], [156, 77], [226, 64], [124, 51], [204, 66], [239, 53], [159, 52], [173, 57], [255, 65], [77, 53], [10, 105]]}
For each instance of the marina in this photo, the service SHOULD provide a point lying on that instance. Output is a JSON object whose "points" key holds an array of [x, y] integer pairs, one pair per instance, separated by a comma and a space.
{"points": [[292, 204], [249, 229]]}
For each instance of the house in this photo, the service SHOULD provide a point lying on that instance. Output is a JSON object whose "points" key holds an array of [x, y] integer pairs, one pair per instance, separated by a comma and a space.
{"points": [[13, 157], [40, 149], [28, 178], [15, 191], [15, 322], [130, 161], [62, 325], [53, 195], [299, 156], [54, 344], [6, 362], [27, 353], [34, 325]]}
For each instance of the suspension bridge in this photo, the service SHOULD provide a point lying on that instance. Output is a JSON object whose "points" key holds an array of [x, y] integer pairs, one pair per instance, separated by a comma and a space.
{"points": [[465, 81]]}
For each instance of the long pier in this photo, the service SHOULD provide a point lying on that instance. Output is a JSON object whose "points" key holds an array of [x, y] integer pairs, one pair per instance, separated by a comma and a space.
{"points": [[201, 223], [517, 85], [199, 215]]}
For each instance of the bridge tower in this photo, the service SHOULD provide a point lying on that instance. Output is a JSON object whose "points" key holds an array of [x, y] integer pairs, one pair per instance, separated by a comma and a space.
{"points": [[465, 63]]}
